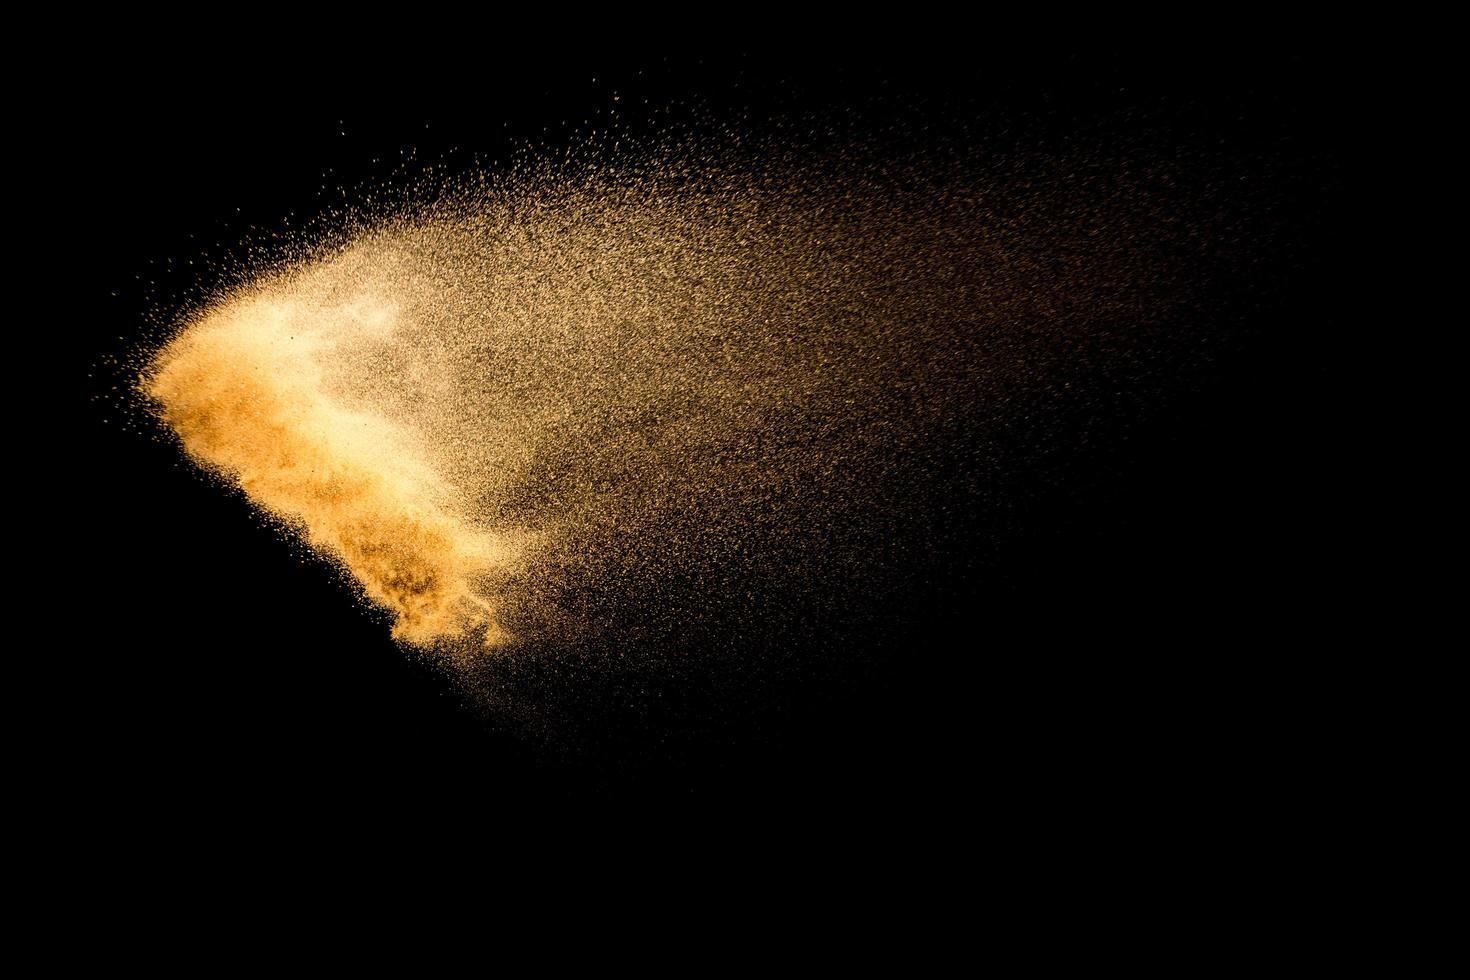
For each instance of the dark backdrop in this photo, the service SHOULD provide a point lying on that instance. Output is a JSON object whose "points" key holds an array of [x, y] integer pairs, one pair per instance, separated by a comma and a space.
{"points": [[1153, 622]]}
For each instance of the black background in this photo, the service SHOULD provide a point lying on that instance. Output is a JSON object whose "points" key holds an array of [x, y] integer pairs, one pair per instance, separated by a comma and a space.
{"points": [[1142, 645]]}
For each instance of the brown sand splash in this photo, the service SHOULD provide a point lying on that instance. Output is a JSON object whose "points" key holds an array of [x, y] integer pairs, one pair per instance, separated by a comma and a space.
{"points": [[498, 412]]}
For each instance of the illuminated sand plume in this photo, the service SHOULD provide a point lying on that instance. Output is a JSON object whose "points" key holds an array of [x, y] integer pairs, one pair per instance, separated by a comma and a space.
{"points": [[566, 408]]}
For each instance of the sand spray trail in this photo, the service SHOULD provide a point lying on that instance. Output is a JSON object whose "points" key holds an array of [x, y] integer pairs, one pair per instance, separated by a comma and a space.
{"points": [[536, 411]]}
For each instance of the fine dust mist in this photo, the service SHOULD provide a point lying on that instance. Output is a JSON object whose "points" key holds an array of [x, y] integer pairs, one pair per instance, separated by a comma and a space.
{"points": [[562, 419]]}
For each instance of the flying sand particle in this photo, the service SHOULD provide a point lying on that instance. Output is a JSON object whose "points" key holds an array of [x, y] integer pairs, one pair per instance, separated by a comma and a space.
{"points": [[504, 413]]}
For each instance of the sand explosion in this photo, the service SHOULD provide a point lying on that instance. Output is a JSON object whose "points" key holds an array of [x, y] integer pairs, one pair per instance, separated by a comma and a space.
{"points": [[504, 413]]}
